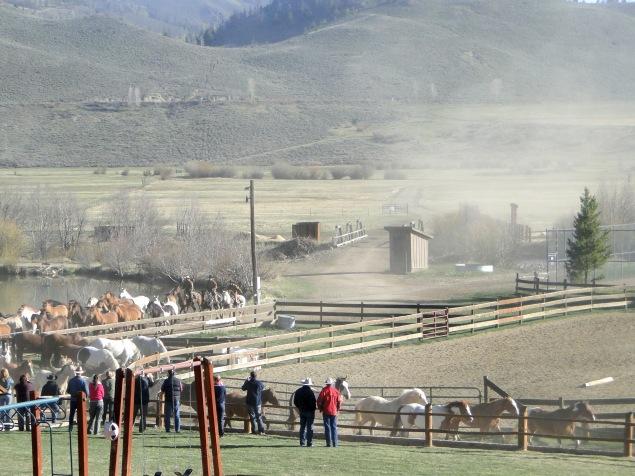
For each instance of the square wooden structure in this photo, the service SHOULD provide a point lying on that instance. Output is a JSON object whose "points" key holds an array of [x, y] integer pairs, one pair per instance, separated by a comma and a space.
{"points": [[408, 249], [306, 229]]}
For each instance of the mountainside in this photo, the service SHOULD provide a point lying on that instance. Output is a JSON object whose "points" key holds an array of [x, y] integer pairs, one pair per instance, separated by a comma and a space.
{"points": [[369, 86], [173, 17]]}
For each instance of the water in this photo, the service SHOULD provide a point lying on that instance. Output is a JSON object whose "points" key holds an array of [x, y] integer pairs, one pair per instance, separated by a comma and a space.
{"points": [[15, 290]]}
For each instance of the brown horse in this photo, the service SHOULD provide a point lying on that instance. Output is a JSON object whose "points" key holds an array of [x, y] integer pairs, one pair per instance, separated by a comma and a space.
{"points": [[44, 323], [15, 370], [551, 423], [5, 330], [235, 405], [56, 345], [54, 310], [77, 316], [100, 316], [486, 415], [128, 312], [27, 342]]}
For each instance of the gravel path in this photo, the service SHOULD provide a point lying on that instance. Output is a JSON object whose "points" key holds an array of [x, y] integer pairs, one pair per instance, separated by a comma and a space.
{"points": [[541, 360]]}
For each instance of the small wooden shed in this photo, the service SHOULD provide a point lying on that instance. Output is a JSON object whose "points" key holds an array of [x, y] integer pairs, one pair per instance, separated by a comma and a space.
{"points": [[408, 249], [306, 229]]}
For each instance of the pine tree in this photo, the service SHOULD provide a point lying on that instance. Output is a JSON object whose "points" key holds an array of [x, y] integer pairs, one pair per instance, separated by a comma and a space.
{"points": [[589, 249]]}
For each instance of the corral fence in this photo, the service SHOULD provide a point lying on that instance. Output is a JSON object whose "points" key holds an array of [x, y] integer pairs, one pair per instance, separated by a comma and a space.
{"points": [[536, 285], [369, 329]]}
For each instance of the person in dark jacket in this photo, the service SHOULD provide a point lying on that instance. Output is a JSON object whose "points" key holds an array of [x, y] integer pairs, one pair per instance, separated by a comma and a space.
{"points": [[141, 399], [75, 385], [51, 389], [304, 401], [254, 388], [23, 391], [220, 393], [172, 388], [109, 397]]}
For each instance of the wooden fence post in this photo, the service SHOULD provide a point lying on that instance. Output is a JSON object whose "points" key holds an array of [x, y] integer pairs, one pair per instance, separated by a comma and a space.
{"points": [[361, 320], [36, 436], [485, 389], [331, 343], [299, 349], [392, 333], [82, 433], [628, 435], [128, 425], [160, 409], [516, 290], [428, 420], [522, 430], [321, 314], [116, 418], [203, 422], [625, 299], [214, 430]]}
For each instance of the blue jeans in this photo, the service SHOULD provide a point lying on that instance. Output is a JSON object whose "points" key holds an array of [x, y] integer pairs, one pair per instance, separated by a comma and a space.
{"points": [[306, 427], [172, 407], [220, 418], [4, 416], [255, 415], [71, 414], [330, 429]]}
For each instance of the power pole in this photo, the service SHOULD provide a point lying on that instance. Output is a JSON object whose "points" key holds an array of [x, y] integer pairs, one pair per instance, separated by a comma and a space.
{"points": [[254, 267]]}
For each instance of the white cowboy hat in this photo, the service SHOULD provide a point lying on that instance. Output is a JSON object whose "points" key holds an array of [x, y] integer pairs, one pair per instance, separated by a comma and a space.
{"points": [[307, 381], [79, 370], [329, 381]]}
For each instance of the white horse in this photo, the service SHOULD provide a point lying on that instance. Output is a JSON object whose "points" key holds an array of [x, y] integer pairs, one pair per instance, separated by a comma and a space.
{"points": [[171, 308], [366, 406], [141, 301], [226, 300], [27, 312], [150, 346], [124, 350], [92, 301], [239, 300], [97, 360], [412, 415], [5, 356], [16, 323]]}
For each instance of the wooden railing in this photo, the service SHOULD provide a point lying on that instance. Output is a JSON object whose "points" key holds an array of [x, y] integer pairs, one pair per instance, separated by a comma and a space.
{"points": [[535, 285]]}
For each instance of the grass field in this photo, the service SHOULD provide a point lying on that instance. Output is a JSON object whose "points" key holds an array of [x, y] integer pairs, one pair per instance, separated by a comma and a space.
{"points": [[279, 203], [251, 455]]}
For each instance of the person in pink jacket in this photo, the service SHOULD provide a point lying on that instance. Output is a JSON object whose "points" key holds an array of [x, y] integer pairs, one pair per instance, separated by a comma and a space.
{"points": [[96, 395]]}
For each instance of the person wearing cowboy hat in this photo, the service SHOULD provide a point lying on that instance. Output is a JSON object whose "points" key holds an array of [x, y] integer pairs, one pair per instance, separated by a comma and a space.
{"points": [[329, 402], [75, 385], [51, 389], [304, 401]]}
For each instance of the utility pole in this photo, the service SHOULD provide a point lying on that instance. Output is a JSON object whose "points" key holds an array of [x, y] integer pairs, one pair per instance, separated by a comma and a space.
{"points": [[254, 267]]}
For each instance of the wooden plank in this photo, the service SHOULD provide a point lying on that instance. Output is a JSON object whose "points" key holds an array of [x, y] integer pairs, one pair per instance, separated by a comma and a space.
{"points": [[36, 437], [82, 433]]}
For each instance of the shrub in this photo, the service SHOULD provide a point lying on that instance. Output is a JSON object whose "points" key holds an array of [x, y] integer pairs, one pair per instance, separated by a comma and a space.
{"points": [[394, 175], [253, 174], [125, 172], [202, 169], [100, 171], [339, 173], [11, 242], [165, 172], [283, 171], [359, 172], [148, 173]]}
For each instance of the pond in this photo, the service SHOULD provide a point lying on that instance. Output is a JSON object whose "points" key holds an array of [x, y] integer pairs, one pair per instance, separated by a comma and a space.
{"points": [[17, 290]]}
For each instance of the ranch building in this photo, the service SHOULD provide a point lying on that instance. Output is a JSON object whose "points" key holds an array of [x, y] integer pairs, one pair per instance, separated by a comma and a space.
{"points": [[408, 248]]}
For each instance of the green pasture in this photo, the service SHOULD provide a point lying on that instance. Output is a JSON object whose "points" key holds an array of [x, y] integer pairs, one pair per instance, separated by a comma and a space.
{"points": [[271, 455], [279, 203]]}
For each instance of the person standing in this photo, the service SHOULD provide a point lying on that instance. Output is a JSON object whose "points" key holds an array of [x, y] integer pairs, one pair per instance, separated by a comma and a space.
{"points": [[23, 391], [6, 388], [254, 388], [220, 393], [304, 401], [329, 402], [51, 389], [96, 392], [172, 387], [109, 396], [141, 399], [75, 385]]}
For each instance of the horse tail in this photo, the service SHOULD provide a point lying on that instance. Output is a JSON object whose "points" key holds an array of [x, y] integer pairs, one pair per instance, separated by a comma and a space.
{"points": [[396, 425]]}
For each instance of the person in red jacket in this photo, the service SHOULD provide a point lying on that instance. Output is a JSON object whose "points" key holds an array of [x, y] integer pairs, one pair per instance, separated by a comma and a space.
{"points": [[329, 402], [96, 394]]}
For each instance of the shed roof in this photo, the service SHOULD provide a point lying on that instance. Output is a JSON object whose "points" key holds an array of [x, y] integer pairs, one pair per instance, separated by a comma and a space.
{"points": [[408, 229]]}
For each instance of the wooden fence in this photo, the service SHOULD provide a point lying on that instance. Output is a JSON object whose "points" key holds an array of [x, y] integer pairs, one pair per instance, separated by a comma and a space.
{"points": [[349, 235], [536, 285], [390, 331]]}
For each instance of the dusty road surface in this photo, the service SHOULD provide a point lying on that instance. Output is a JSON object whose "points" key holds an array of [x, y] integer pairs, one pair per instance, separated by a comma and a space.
{"points": [[543, 360]]}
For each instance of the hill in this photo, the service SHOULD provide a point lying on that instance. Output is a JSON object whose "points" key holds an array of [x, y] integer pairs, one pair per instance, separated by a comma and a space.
{"points": [[460, 82], [177, 18]]}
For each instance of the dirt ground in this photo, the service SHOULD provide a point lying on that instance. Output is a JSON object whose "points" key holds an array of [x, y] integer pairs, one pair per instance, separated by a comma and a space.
{"points": [[542, 360]]}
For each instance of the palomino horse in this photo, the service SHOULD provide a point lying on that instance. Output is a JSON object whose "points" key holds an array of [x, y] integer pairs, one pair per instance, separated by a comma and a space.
{"points": [[128, 312], [341, 385], [54, 310], [412, 415], [486, 415], [385, 409], [554, 423], [43, 323], [235, 405]]}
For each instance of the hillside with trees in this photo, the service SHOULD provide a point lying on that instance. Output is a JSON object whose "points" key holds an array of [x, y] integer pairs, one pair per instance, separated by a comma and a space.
{"points": [[420, 80]]}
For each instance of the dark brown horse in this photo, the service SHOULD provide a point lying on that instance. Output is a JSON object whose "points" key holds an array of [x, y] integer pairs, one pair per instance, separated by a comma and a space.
{"points": [[551, 423], [56, 345], [235, 405], [486, 415], [77, 315], [27, 342]]}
